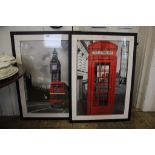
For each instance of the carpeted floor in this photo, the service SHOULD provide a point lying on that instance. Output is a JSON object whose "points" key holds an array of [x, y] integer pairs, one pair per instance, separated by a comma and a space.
{"points": [[139, 120]]}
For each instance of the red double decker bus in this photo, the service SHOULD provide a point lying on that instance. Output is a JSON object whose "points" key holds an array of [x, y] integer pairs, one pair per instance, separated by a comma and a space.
{"points": [[57, 94]]}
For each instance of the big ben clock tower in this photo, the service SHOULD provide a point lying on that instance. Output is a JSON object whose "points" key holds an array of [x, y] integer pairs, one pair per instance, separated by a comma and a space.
{"points": [[55, 67]]}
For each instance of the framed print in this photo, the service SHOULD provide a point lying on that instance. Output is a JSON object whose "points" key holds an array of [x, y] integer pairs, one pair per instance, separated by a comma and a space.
{"points": [[44, 92], [102, 75]]}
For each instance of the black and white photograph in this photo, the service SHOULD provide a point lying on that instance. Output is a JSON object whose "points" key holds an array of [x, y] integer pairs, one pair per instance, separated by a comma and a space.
{"points": [[45, 59]]}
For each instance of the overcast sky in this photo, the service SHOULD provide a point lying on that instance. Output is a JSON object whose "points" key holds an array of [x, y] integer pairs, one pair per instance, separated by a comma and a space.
{"points": [[36, 57]]}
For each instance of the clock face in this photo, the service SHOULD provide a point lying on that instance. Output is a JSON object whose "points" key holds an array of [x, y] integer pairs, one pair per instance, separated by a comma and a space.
{"points": [[55, 27], [54, 67]]}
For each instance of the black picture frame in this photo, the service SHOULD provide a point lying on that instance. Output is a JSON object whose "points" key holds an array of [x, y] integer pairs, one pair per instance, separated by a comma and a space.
{"points": [[73, 117], [18, 85]]}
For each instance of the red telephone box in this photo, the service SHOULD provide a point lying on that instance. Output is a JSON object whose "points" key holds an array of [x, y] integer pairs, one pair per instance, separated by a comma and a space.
{"points": [[102, 61]]}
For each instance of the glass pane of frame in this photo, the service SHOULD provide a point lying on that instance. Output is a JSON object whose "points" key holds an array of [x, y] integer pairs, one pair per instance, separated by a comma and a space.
{"points": [[45, 58], [101, 75]]}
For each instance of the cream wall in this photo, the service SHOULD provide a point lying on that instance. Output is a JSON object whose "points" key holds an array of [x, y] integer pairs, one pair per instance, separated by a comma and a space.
{"points": [[143, 65], [146, 95], [144, 82]]}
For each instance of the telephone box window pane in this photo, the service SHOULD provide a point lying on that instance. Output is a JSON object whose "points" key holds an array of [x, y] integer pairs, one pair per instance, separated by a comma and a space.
{"points": [[101, 84]]}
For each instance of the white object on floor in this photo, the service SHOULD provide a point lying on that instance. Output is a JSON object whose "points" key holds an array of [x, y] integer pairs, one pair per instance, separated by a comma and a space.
{"points": [[8, 72], [6, 58], [4, 65]]}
